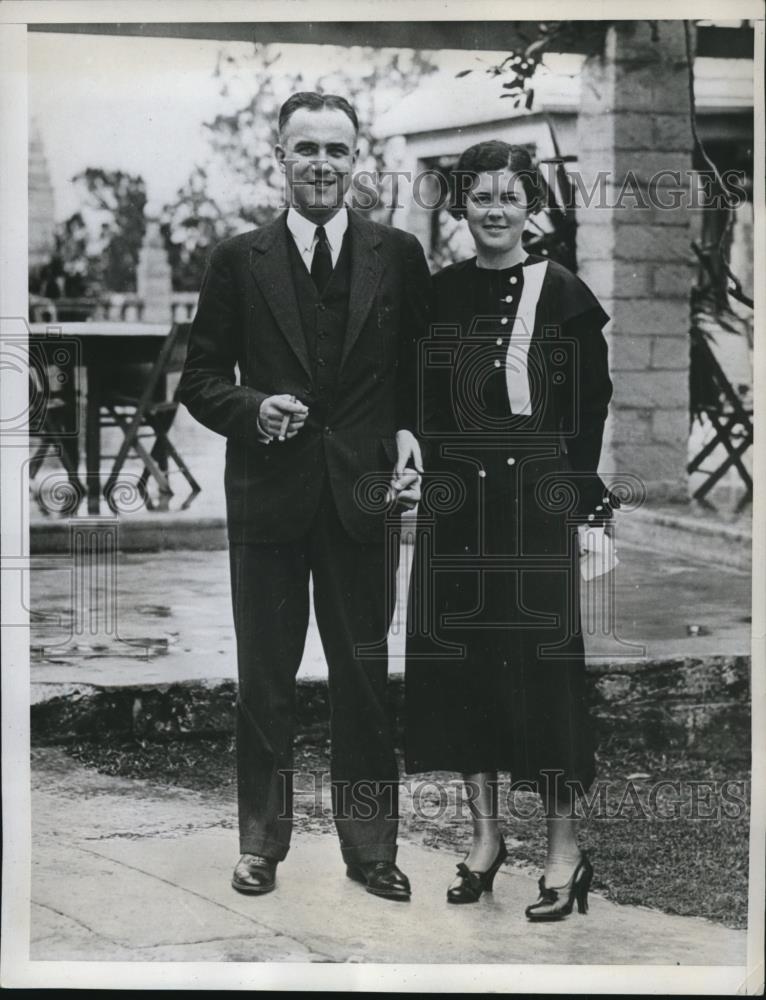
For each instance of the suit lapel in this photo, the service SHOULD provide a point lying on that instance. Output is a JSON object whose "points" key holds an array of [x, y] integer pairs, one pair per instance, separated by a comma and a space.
{"points": [[366, 270], [270, 264]]}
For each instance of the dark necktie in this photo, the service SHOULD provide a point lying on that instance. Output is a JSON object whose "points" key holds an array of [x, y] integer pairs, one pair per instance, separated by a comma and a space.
{"points": [[321, 264]]}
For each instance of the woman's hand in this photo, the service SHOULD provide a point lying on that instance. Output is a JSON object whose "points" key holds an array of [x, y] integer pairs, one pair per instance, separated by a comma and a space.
{"points": [[405, 482], [407, 450]]}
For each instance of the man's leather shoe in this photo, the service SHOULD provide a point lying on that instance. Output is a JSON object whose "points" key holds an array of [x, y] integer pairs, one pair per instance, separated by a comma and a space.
{"points": [[382, 878], [254, 874]]}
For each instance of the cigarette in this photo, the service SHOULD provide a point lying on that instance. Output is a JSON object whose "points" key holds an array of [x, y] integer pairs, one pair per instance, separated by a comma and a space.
{"points": [[285, 422]]}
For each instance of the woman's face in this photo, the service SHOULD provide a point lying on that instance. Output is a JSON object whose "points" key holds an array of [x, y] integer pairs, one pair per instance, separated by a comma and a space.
{"points": [[496, 209]]}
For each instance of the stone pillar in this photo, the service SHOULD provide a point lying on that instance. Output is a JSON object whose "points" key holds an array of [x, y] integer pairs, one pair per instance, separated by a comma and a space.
{"points": [[154, 278], [41, 205], [634, 124], [419, 217]]}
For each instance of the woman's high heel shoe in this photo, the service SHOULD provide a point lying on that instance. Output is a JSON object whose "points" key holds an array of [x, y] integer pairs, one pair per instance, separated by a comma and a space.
{"points": [[473, 884], [555, 903]]}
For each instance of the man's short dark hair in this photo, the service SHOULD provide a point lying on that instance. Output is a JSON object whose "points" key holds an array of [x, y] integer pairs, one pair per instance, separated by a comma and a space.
{"points": [[315, 102], [488, 156]]}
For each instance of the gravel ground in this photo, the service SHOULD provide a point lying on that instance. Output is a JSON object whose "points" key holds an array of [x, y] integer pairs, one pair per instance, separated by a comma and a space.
{"points": [[680, 846]]}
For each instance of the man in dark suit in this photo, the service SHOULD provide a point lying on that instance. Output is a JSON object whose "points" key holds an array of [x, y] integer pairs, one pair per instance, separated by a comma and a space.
{"points": [[320, 311]]}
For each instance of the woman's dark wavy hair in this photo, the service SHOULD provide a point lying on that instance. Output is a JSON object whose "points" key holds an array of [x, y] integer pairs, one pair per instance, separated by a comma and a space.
{"points": [[488, 156]]}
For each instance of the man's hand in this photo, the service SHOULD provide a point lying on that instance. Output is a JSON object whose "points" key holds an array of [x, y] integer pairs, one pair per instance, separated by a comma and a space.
{"points": [[281, 417], [405, 482]]}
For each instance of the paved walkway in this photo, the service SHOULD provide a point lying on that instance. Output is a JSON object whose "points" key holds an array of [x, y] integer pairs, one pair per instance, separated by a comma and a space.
{"points": [[166, 616], [128, 871]]}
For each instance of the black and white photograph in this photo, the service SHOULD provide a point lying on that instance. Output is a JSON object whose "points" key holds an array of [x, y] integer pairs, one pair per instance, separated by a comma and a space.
{"points": [[382, 497]]}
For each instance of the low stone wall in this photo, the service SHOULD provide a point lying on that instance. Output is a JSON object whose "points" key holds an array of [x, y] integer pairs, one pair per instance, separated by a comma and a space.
{"points": [[685, 702], [698, 705]]}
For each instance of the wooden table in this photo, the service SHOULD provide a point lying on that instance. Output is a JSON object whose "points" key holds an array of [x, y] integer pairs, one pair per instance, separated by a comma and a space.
{"points": [[101, 346]]}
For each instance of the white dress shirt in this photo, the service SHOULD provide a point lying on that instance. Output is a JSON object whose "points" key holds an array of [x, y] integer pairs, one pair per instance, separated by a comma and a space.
{"points": [[304, 233]]}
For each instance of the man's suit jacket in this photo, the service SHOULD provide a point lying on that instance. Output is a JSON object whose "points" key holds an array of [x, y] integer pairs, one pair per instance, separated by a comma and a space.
{"points": [[248, 319]]}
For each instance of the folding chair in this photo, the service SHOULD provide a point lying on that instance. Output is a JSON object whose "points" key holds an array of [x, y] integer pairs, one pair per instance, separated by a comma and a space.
{"points": [[147, 406], [714, 397], [53, 423]]}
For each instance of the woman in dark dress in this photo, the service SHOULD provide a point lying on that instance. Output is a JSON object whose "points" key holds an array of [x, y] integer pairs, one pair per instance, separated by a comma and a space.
{"points": [[516, 389]]}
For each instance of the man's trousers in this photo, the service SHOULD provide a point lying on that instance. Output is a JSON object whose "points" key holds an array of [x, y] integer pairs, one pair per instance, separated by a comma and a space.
{"points": [[354, 593]]}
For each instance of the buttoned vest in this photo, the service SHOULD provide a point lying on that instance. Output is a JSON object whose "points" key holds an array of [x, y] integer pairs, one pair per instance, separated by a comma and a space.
{"points": [[324, 319]]}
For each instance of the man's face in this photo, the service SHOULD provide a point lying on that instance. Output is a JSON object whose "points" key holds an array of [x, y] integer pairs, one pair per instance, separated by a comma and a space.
{"points": [[317, 151]]}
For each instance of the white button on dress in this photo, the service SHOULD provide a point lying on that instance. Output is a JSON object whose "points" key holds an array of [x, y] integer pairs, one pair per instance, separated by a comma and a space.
{"points": [[499, 341], [482, 474], [504, 320], [511, 460], [508, 298], [513, 279]]}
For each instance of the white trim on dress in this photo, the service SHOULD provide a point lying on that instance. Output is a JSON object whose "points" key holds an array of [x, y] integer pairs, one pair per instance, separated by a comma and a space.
{"points": [[516, 370]]}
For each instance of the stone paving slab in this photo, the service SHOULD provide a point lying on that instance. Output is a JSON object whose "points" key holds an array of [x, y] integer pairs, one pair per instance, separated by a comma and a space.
{"points": [[123, 870], [173, 618]]}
